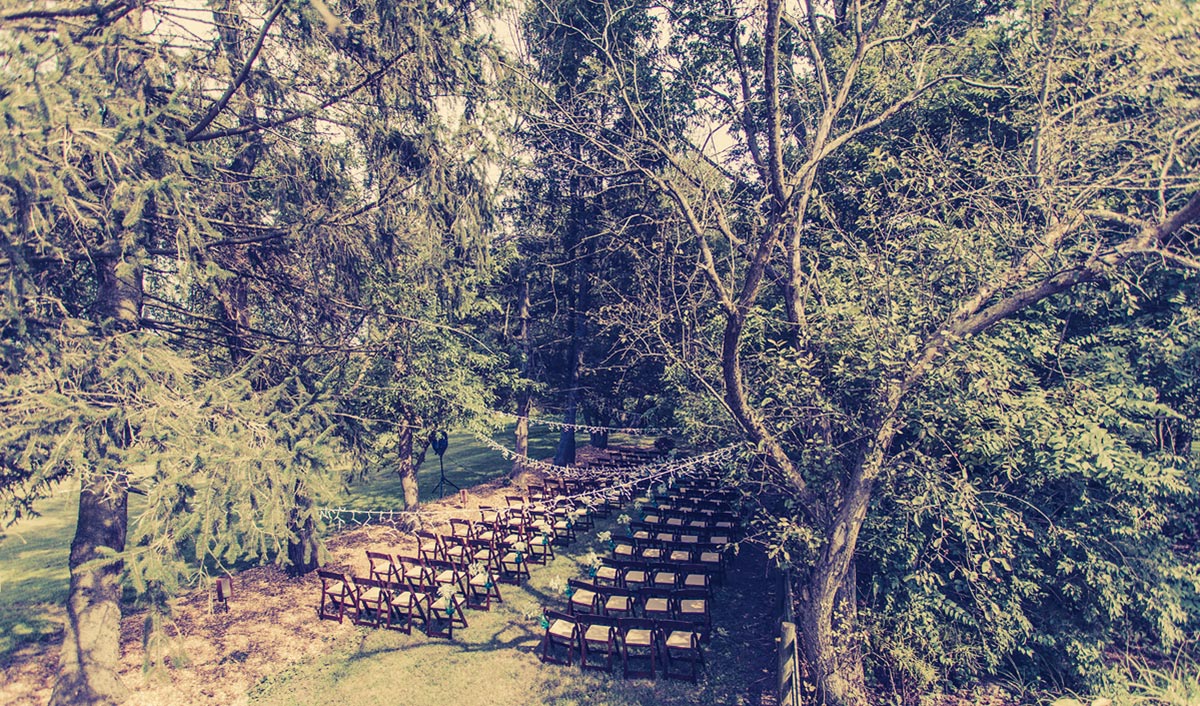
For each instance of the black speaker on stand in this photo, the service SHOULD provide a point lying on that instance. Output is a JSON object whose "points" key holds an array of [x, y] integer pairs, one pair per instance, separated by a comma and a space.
{"points": [[439, 440]]}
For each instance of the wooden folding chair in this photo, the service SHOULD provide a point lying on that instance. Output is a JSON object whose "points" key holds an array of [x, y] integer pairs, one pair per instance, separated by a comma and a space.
{"points": [[448, 573], [663, 577], [370, 602], [541, 544], [483, 551], [639, 640], [336, 594], [429, 547], [598, 635], [482, 589], [383, 567], [635, 575], [513, 567], [456, 550], [655, 603], [460, 527], [401, 605], [582, 597], [692, 605], [617, 602], [680, 645], [608, 573], [561, 630]]}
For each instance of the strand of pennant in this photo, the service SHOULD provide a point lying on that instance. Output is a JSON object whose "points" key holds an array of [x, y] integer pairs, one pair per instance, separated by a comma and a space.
{"points": [[602, 471], [590, 428], [623, 479]]}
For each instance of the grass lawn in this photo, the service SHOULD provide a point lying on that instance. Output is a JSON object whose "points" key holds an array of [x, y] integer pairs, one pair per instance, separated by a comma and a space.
{"points": [[33, 553], [494, 661]]}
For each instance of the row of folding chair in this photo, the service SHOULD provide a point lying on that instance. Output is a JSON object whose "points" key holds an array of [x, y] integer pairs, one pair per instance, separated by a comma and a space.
{"points": [[392, 603], [643, 645], [646, 533], [633, 573], [667, 603]]}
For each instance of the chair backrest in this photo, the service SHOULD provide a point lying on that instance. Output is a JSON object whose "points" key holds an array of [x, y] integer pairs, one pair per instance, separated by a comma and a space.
{"points": [[364, 584], [334, 583], [552, 615], [594, 619], [460, 527], [666, 627], [585, 585], [648, 592], [692, 594], [382, 565], [429, 546]]}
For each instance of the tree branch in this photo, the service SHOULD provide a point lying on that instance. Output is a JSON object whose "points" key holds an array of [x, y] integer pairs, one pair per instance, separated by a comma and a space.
{"points": [[241, 77]]}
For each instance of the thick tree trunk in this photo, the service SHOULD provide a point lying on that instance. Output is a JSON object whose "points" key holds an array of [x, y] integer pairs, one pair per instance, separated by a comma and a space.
{"points": [[304, 547], [87, 672], [405, 467], [829, 602], [91, 650]]}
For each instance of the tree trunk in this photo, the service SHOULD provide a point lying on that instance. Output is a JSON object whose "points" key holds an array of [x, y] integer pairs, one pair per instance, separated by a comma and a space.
{"points": [[829, 607], [304, 547], [405, 467], [521, 433], [87, 672], [524, 398], [91, 650]]}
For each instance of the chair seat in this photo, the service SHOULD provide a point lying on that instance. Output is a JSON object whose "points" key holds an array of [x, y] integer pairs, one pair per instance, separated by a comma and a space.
{"points": [[652, 553], [695, 581], [638, 638], [718, 539], [680, 639], [680, 555], [597, 633], [693, 605], [623, 550], [689, 538], [710, 557], [664, 578], [607, 572], [583, 597], [698, 524], [618, 603], [652, 519], [446, 576], [641, 534], [657, 605], [480, 580], [456, 550], [561, 628], [371, 595], [674, 522], [510, 558], [441, 604], [402, 599], [635, 576]]}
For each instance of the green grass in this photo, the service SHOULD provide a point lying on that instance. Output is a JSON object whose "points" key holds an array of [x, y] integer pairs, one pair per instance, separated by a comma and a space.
{"points": [[468, 462], [33, 573], [33, 553]]}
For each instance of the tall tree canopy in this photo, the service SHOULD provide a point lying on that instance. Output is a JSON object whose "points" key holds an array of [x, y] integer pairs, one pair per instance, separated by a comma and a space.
{"points": [[886, 215], [214, 221]]}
